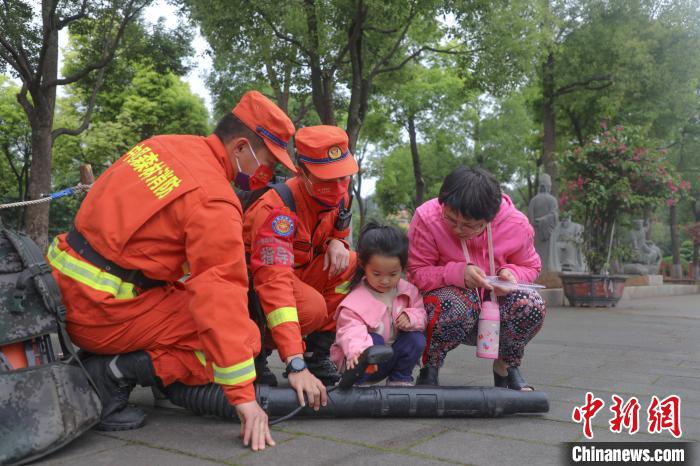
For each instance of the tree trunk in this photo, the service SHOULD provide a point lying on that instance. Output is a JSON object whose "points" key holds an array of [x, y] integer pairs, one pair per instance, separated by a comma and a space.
{"points": [[549, 122], [676, 271], [322, 85], [36, 217], [36, 220], [417, 172]]}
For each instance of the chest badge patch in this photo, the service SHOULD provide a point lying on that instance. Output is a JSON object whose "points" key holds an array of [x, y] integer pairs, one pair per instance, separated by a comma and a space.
{"points": [[283, 225]]}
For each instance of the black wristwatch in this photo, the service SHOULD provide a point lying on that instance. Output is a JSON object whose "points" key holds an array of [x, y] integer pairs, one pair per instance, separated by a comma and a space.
{"points": [[296, 365]]}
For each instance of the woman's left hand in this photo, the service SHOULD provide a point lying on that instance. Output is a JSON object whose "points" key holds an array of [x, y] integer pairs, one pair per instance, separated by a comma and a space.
{"points": [[403, 323], [507, 276]]}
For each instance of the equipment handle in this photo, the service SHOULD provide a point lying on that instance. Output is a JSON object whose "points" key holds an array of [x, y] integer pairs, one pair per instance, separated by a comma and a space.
{"points": [[376, 354]]}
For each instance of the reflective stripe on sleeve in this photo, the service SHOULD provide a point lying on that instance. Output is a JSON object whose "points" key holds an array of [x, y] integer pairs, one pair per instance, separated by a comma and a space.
{"points": [[200, 357], [88, 274], [282, 315], [236, 374], [343, 288]]}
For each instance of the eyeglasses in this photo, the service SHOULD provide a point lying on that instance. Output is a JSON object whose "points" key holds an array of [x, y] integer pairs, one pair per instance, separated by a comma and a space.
{"points": [[461, 226]]}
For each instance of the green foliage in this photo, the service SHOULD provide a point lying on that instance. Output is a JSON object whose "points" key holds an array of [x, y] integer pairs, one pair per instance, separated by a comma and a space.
{"points": [[609, 176], [15, 152], [650, 51], [395, 187]]}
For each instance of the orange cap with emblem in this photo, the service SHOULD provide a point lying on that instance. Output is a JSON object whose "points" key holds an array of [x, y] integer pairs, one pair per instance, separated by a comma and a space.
{"points": [[269, 122], [324, 152]]}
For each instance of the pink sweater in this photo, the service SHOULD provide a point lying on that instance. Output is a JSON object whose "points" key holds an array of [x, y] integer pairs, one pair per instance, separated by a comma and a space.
{"points": [[360, 312], [436, 259]]}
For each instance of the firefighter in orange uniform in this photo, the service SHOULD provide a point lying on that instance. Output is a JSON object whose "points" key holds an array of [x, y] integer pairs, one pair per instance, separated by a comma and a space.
{"points": [[301, 262], [166, 207]]}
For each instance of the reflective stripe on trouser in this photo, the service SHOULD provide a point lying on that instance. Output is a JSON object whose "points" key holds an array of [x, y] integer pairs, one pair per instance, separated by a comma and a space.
{"points": [[231, 375], [88, 274], [282, 315]]}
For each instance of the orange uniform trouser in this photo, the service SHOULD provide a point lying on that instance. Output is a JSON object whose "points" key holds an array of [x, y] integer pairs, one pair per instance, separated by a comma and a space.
{"points": [[317, 296], [166, 332]]}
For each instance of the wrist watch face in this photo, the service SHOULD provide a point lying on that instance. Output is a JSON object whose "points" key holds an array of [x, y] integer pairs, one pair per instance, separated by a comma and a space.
{"points": [[296, 365]]}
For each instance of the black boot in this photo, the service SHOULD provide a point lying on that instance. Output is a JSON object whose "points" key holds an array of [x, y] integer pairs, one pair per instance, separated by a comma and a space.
{"points": [[428, 375], [115, 377], [321, 366], [319, 361], [264, 375]]}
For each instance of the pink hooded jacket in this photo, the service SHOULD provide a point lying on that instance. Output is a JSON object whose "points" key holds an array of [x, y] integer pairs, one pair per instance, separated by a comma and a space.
{"points": [[360, 312], [436, 259]]}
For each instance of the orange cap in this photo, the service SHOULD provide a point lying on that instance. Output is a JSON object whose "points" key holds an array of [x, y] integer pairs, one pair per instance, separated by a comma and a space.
{"points": [[267, 120], [324, 152]]}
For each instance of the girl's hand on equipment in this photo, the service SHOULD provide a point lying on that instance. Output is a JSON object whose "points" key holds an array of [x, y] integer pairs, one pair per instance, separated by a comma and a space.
{"points": [[507, 276], [403, 323], [254, 428], [474, 277], [350, 363], [336, 259]]}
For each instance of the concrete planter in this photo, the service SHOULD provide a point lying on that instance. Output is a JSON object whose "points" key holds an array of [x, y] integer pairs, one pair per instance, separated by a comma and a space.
{"points": [[593, 290]]}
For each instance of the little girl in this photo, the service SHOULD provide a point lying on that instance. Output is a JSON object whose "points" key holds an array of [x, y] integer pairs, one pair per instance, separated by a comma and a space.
{"points": [[381, 309]]}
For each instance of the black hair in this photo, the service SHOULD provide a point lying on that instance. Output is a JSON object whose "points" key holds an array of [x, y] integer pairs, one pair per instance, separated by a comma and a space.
{"points": [[230, 127], [473, 192], [378, 239]]}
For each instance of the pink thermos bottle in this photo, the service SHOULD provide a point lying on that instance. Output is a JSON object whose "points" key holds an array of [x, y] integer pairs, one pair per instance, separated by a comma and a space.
{"points": [[490, 317], [488, 332]]}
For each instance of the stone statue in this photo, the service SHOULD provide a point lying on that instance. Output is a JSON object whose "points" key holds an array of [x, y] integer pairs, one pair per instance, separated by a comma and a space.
{"points": [[569, 241], [646, 256], [543, 213]]}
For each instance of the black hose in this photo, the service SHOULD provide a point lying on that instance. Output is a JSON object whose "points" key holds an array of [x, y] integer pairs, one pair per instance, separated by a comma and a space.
{"points": [[419, 401]]}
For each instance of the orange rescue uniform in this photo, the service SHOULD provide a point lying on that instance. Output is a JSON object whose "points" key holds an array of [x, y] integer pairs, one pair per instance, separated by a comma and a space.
{"points": [[286, 255], [164, 208]]}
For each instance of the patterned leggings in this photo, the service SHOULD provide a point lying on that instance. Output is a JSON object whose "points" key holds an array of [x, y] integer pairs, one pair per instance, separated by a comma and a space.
{"points": [[453, 317]]}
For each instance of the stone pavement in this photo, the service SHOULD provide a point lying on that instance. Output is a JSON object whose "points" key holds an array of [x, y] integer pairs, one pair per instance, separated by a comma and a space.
{"points": [[643, 348]]}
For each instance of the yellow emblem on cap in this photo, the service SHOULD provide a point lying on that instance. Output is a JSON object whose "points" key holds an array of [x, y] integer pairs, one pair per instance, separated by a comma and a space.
{"points": [[335, 153]]}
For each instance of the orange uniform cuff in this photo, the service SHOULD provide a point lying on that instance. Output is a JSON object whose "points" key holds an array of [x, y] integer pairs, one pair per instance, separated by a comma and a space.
{"points": [[240, 394], [290, 349]]}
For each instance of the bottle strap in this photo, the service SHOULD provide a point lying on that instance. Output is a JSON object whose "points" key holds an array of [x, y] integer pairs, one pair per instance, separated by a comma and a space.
{"points": [[492, 262]]}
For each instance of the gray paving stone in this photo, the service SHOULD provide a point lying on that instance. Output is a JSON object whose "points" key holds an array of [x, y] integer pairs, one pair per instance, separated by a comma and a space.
{"points": [[645, 347], [379, 458], [89, 445], [584, 383], [184, 432], [479, 449], [137, 455], [670, 381], [301, 450], [533, 428], [385, 433]]}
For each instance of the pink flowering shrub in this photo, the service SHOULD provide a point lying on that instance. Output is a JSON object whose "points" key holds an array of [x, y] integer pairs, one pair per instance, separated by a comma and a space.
{"points": [[610, 176]]}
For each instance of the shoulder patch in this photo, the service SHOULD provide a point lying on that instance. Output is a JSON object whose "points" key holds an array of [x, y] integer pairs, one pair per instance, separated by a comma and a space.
{"points": [[283, 225]]}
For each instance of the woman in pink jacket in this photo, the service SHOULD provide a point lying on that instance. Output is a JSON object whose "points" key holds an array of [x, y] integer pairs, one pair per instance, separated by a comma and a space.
{"points": [[381, 309], [448, 261]]}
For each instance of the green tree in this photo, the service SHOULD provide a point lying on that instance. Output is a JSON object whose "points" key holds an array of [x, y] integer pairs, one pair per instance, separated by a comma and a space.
{"points": [[631, 62], [15, 151], [418, 99], [152, 104], [29, 49]]}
